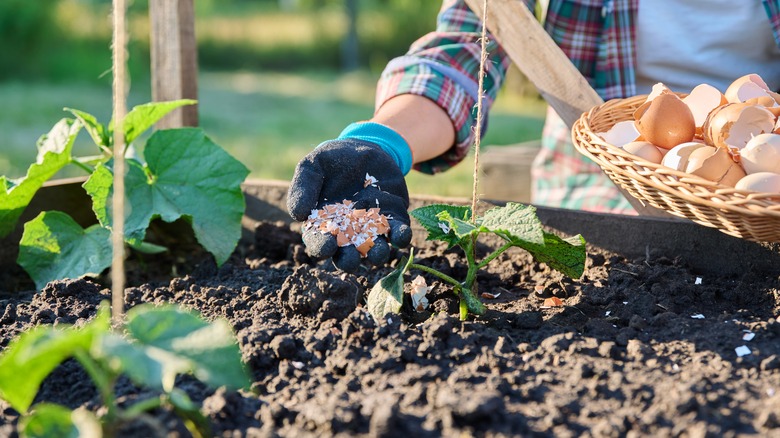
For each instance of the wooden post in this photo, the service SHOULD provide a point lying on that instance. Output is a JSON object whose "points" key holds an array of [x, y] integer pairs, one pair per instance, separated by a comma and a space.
{"points": [[174, 59]]}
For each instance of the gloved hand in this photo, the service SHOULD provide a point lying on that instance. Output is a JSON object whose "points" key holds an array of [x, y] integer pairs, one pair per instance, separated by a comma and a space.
{"points": [[336, 170]]}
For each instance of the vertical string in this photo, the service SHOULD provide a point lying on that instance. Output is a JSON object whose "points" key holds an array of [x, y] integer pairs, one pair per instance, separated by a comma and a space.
{"points": [[119, 47], [480, 99]]}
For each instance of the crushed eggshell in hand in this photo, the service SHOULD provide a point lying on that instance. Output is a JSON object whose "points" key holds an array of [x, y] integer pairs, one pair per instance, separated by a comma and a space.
{"points": [[350, 225], [370, 181]]}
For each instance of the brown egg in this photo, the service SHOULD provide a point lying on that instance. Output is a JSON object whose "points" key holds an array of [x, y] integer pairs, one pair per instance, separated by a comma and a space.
{"points": [[762, 182], [665, 121], [644, 150]]}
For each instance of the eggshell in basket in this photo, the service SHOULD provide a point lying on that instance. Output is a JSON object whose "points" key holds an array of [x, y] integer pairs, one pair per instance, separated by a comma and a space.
{"points": [[763, 182], [620, 133], [677, 157], [703, 99], [762, 154], [665, 121], [734, 124], [644, 150]]}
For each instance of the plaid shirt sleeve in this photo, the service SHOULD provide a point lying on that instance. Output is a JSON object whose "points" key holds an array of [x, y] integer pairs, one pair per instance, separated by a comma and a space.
{"points": [[444, 67]]}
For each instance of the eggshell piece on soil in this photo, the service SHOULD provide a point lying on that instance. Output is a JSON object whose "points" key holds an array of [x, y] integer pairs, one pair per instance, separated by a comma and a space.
{"points": [[665, 121]]}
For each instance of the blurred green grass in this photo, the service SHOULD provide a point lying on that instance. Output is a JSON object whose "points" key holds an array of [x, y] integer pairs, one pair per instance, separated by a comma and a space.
{"points": [[269, 86], [269, 121]]}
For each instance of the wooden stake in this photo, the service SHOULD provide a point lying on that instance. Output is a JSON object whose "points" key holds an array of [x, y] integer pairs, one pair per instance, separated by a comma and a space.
{"points": [[174, 59]]}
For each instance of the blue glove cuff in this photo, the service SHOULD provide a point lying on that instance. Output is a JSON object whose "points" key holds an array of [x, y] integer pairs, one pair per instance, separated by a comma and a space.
{"points": [[384, 137]]}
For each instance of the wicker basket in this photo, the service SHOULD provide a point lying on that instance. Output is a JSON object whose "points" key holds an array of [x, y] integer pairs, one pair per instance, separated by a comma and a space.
{"points": [[748, 215]]}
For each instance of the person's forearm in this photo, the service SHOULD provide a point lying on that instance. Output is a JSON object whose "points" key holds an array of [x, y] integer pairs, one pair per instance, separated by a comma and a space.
{"points": [[421, 122]]}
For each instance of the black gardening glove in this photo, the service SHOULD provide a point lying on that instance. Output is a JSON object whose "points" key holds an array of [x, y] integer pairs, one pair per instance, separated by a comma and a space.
{"points": [[336, 170]]}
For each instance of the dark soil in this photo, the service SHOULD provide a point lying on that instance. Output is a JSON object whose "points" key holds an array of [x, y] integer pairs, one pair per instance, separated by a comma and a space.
{"points": [[624, 356]]}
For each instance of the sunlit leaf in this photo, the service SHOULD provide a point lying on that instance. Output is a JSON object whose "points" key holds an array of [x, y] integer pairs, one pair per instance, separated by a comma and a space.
{"points": [[387, 294], [54, 247], [54, 152]]}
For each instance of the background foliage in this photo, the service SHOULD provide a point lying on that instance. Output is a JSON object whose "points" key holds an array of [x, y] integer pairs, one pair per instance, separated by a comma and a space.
{"points": [[272, 82]]}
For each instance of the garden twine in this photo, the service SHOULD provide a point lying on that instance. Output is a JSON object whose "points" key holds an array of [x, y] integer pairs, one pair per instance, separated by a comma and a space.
{"points": [[117, 201]]}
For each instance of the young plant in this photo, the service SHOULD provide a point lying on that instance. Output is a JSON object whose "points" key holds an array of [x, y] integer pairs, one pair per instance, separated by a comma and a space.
{"points": [[515, 223], [159, 343], [183, 174]]}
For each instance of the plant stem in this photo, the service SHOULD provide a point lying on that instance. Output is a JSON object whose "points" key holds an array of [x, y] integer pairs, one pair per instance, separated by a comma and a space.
{"points": [[141, 407], [432, 271], [463, 307], [83, 166], [102, 379], [493, 255]]}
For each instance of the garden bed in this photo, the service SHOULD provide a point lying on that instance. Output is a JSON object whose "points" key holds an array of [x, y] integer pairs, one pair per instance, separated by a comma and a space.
{"points": [[644, 345]]}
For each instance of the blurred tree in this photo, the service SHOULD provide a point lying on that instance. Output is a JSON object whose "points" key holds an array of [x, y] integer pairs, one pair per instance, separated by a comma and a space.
{"points": [[26, 27]]}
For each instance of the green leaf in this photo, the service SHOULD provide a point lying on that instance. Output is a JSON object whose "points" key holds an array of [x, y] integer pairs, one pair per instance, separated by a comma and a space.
{"points": [[194, 420], [182, 341], [123, 356], [387, 295], [566, 256], [48, 420], [54, 152], [95, 129], [54, 246], [187, 175], [34, 354], [428, 216], [51, 420], [515, 222], [459, 227], [142, 117]]}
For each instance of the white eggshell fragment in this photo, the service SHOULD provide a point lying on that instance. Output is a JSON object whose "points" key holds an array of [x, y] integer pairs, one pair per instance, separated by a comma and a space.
{"points": [[748, 87], [657, 90], [762, 182], [762, 154], [644, 150], [708, 162], [703, 99], [714, 164], [620, 133], [677, 157]]}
